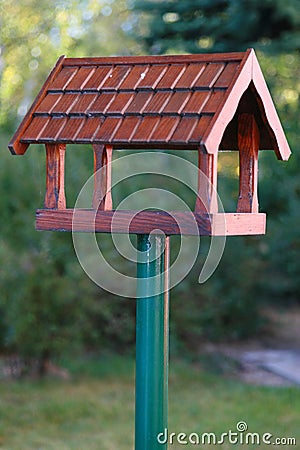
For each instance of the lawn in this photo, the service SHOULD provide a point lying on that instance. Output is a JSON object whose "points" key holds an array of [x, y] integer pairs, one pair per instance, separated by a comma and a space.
{"points": [[95, 408]]}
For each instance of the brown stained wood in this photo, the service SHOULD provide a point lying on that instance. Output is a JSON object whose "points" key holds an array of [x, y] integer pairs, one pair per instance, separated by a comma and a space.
{"points": [[207, 201], [83, 104], [227, 108], [157, 103], [53, 128], [65, 103], [15, 146], [176, 103], [208, 87], [139, 102], [89, 129], [248, 143], [127, 128], [82, 76], [251, 103], [55, 176], [98, 78], [165, 129], [87, 220], [184, 129], [154, 59], [120, 103], [101, 103], [213, 102], [146, 127], [209, 75], [200, 128], [115, 78], [99, 178], [107, 129], [196, 102], [171, 76], [35, 129], [226, 76], [152, 77], [102, 198], [108, 204], [69, 132], [190, 75], [48, 103], [136, 74], [64, 78]]}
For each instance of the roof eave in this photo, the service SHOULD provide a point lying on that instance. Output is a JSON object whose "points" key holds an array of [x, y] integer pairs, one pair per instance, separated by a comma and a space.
{"points": [[281, 146], [15, 146], [212, 138], [249, 71]]}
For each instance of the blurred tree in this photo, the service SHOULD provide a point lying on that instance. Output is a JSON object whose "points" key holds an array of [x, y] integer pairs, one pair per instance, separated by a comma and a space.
{"points": [[34, 33], [218, 25], [47, 303]]}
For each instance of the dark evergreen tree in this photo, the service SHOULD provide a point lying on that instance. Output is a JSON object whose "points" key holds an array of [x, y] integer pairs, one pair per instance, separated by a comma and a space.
{"points": [[218, 25]]}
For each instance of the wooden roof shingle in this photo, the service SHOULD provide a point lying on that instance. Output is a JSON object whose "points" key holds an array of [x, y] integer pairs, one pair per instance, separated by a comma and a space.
{"points": [[183, 101]]}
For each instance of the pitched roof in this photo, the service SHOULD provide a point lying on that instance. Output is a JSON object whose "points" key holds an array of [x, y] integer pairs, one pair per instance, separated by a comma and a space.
{"points": [[152, 101]]}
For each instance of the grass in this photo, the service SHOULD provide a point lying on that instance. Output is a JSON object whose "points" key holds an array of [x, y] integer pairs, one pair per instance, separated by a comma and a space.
{"points": [[95, 409]]}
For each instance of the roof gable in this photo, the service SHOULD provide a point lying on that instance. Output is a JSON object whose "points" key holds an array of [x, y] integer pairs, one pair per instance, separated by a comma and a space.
{"points": [[154, 101]]}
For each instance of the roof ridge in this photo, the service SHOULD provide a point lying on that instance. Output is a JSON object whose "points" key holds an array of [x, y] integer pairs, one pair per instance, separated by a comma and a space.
{"points": [[282, 148], [155, 59], [226, 110]]}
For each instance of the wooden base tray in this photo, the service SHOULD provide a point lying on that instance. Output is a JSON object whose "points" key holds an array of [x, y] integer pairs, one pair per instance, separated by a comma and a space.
{"points": [[140, 222]]}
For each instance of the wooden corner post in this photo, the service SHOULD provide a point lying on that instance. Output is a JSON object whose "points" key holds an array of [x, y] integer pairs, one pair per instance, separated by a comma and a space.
{"points": [[102, 198], [248, 143], [207, 201], [55, 176]]}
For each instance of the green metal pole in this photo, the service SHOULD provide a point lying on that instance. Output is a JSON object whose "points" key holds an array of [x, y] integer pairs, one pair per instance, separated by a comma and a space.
{"points": [[152, 339]]}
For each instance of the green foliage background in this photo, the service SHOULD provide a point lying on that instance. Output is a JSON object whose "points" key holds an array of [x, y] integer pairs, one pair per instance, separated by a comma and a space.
{"points": [[47, 304]]}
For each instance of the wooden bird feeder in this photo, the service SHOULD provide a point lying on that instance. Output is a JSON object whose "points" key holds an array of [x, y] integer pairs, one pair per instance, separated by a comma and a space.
{"points": [[207, 102]]}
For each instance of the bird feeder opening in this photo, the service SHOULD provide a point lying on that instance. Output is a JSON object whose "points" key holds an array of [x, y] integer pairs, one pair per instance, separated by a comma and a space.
{"points": [[250, 103]]}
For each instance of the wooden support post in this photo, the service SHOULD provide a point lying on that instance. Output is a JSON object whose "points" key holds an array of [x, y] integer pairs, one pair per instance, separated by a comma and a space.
{"points": [[55, 176], [102, 198], [207, 201], [248, 143]]}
